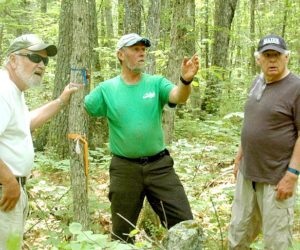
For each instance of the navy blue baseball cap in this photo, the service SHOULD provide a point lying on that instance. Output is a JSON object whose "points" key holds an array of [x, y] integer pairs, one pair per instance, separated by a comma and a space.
{"points": [[272, 42]]}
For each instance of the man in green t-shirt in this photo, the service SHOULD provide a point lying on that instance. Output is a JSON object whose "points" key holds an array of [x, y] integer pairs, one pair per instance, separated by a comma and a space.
{"points": [[141, 165]]}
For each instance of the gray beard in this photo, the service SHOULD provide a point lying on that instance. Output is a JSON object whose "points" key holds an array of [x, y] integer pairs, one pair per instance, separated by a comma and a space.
{"points": [[31, 81]]}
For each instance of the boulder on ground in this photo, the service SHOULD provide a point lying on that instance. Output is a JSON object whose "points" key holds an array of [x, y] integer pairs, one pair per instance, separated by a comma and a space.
{"points": [[186, 235]]}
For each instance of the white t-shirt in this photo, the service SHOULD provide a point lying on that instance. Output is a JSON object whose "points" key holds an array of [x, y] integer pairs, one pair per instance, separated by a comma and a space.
{"points": [[16, 148]]}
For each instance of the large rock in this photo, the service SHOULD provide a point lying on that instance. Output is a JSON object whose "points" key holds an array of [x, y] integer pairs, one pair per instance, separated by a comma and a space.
{"points": [[186, 235]]}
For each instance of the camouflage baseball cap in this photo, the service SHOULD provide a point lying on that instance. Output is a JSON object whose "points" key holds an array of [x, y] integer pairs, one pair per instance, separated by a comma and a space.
{"points": [[31, 42]]}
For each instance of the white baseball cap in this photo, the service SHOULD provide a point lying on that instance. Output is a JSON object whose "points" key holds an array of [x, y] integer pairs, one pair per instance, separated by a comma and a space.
{"points": [[132, 39]]}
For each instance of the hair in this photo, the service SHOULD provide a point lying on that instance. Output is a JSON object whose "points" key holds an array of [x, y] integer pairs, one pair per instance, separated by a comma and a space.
{"points": [[6, 61], [257, 53]]}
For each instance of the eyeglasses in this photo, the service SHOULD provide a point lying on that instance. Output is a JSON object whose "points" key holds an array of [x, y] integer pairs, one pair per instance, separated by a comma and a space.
{"points": [[35, 58]]}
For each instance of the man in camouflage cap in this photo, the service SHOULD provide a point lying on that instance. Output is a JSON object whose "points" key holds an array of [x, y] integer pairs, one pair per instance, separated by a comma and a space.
{"points": [[24, 67]]}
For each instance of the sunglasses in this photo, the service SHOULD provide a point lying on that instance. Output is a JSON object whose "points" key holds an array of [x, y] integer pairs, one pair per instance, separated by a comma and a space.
{"points": [[35, 58]]}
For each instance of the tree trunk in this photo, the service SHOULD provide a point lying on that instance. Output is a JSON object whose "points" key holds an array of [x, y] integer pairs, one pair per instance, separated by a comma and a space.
{"points": [[98, 129], [153, 32], [132, 17], [191, 48], [252, 35], [165, 23], [120, 17], [148, 218], [286, 9], [180, 41], [224, 13], [58, 128], [1, 43], [109, 20], [44, 6], [102, 27], [206, 34], [78, 121]]}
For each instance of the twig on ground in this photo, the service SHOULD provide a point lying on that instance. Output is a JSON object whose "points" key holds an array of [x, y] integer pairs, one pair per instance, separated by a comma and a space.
{"points": [[219, 224]]}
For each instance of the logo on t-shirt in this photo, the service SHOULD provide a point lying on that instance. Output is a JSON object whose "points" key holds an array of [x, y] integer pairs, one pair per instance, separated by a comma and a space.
{"points": [[149, 95]]}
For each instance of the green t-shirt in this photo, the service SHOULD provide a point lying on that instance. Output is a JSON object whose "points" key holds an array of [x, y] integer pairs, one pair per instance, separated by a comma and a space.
{"points": [[134, 113]]}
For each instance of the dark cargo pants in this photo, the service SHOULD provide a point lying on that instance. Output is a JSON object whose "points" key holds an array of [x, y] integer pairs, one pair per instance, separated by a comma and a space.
{"points": [[130, 182]]}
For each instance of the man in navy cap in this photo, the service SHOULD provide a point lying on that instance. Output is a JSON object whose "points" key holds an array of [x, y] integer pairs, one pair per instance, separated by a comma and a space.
{"points": [[141, 165], [24, 67], [267, 164]]}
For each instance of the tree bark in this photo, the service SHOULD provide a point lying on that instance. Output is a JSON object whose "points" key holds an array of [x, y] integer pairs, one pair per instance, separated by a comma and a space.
{"points": [[109, 20], [195, 98], [78, 121], [44, 6], [180, 42], [252, 35], [224, 13], [132, 17], [1, 42], [165, 23], [206, 34], [120, 17], [153, 33], [286, 9], [58, 128], [98, 128]]}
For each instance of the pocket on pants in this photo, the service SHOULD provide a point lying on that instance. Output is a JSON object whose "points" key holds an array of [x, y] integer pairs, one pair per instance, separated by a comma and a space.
{"points": [[288, 203]]}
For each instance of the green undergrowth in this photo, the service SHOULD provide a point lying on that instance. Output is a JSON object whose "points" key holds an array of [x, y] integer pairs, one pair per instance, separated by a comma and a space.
{"points": [[203, 151]]}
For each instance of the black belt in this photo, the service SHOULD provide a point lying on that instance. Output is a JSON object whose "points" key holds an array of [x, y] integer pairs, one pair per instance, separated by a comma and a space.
{"points": [[21, 180], [146, 159]]}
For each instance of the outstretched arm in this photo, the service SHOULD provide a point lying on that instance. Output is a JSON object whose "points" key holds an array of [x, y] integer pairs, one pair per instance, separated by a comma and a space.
{"points": [[189, 69], [42, 114]]}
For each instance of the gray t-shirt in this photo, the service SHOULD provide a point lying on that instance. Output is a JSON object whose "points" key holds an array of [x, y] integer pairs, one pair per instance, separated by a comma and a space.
{"points": [[270, 129]]}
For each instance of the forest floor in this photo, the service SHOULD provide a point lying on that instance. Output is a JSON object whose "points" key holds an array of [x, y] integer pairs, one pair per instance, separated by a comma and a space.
{"points": [[203, 152]]}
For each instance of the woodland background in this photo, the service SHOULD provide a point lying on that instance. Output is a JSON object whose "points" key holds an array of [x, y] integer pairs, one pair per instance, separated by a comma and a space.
{"points": [[203, 135]]}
